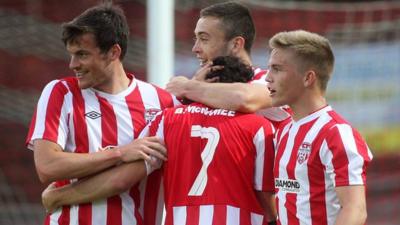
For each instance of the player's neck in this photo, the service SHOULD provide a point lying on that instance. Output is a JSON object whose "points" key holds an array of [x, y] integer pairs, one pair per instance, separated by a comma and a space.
{"points": [[307, 105], [117, 83]]}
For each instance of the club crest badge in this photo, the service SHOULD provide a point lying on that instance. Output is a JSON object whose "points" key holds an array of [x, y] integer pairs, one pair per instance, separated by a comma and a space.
{"points": [[149, 114], [304, 152]]}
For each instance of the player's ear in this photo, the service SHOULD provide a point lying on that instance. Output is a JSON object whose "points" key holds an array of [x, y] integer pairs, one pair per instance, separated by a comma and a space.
{"points": [[114, 52], [237, 44], [310, 77]]}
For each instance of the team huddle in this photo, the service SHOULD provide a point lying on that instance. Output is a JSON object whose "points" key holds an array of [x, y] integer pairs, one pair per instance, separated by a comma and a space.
{"points": [[233, 145]]}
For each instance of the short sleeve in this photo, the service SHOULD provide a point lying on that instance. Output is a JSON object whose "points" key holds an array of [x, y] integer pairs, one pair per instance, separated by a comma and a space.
{"points": [[50, 120], [345, 155]]}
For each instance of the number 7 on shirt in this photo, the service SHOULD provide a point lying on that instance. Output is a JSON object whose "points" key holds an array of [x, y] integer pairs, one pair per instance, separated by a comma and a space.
{"points": [[212, 136]]}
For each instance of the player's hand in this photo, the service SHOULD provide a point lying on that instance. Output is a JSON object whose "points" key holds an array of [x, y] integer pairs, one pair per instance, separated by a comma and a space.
{"points": [[153, 164], [47, 200], [144, 148], [176, 86], [201, 74]]}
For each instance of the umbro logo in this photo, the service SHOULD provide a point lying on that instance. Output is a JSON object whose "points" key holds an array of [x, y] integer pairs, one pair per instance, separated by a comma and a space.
{"points": [[93, 115]]}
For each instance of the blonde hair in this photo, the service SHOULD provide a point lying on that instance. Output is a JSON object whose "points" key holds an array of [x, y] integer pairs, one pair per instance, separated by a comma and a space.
{"points": [[312, 50]]}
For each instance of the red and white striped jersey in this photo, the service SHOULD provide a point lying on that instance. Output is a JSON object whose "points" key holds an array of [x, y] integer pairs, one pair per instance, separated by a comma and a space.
{"points": [[82, 121], [313, 156], [276, 115], [216, 159]]}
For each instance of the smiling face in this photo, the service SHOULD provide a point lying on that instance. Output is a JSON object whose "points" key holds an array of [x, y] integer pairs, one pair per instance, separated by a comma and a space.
{"points": [[210, 40], [91, 67], [285, 81]]}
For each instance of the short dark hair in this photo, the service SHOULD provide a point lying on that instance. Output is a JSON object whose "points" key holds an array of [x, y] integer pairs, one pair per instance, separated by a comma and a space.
{"points": [[105, 21], [234, 70], [236, 21]]}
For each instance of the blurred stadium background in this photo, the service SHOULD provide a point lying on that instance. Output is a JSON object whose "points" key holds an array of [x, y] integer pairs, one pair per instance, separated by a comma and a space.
{"points": [[365, 86]]}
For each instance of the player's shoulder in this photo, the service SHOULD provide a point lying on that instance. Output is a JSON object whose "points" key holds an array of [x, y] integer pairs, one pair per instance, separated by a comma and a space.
{"points": [[337, 124], [62, 85], [336, 117], [253, 118], [145, 84]]}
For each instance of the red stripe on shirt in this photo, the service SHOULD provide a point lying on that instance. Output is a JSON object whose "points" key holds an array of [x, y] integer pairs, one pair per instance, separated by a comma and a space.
{"points": [[278, 158], [64, 217], [316, 174], [54, 106], [31, 128], [108, 123], [292, 197], [245, 217], [219, 215], [81, 136], [53, 112], [361, 145], [269, 156], [81, 139], [362, 149], [136, 108], [279, 155], [339, 160], [152, 185], [192, 215], [134, 193], [164, 97], [151, 197], [47, 220], [109, 130], [155, 124]]}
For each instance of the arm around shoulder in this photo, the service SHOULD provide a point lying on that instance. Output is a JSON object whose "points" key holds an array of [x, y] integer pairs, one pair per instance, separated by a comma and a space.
{"points": [[251, 97], [241, 97]]}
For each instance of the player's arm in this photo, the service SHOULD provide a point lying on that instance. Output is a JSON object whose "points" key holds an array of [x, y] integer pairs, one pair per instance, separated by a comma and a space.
{"points": [[52, 163], [241, 97], [105, 184], [351, 192], [48, 137], [352, 200], [267, 202], [116, 179], [264, 165]]}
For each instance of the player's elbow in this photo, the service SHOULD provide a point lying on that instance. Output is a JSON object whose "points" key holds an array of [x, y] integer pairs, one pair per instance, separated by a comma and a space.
{"points": [[46, 175], [360, 211], [357, 213], [246, 107], [245, 102], [362, 214]]}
